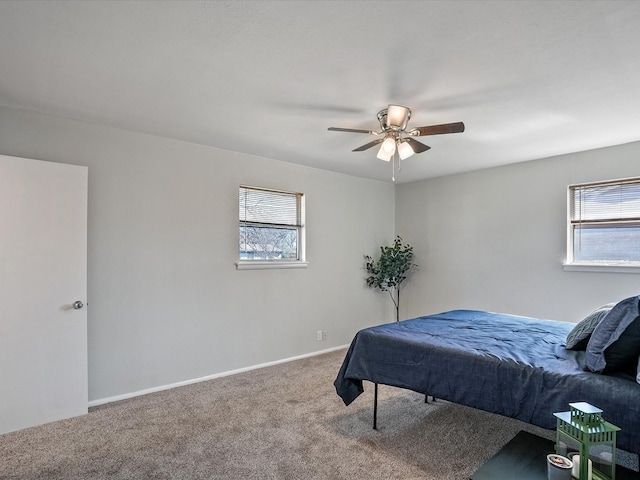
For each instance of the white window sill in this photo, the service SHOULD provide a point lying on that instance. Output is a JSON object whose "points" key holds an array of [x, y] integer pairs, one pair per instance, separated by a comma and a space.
{"points": [[602, 267], [266, 264]]}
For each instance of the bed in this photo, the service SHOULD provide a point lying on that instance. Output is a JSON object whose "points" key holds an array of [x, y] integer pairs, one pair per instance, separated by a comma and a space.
{"points": [[506, 364]]}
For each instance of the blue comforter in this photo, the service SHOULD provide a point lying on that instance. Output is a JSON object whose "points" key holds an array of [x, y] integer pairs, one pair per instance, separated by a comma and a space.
{"points": [[506, 364]]}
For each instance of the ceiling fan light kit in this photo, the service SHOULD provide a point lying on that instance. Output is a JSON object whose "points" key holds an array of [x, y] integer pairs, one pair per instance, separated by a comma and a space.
{"points": [[397, 139], [404, 149], [387, 149]]}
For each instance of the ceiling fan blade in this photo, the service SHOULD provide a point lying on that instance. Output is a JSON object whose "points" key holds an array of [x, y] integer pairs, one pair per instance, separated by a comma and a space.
{"points": [[418, 147], [438, 129], [368, 145], [352, 130]]}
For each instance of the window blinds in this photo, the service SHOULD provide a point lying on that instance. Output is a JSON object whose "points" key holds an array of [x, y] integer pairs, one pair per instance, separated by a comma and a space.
{"points": [[615, 201], [269, 207]]}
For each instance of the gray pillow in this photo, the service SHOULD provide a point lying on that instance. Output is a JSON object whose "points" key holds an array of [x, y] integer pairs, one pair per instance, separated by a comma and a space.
{"points": [[578, 338], [615, 342]]}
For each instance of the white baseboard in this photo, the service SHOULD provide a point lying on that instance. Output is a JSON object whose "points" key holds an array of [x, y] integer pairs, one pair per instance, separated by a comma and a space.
{"points": [[102, 401]]}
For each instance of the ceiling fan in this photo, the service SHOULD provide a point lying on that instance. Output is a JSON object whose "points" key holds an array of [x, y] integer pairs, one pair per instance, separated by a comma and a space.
{"points": [[393, 125]]}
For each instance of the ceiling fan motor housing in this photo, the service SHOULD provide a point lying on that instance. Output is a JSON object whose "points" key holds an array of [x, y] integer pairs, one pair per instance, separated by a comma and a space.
{"points": [[394, 117], [398, 116]]}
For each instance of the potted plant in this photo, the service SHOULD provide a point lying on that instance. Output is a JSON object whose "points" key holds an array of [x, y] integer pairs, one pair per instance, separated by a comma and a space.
{"points": [[389, 271]]}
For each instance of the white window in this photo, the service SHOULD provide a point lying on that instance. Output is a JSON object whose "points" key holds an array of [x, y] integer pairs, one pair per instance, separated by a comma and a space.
{"points": [[271, 228], [604, 224]]}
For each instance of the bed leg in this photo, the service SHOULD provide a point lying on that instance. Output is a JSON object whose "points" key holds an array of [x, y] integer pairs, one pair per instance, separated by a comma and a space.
{"points": [[375, 406]]}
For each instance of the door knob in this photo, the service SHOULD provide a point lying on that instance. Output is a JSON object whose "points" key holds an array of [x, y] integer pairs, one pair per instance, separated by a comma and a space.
{"points": [[77, 305]]}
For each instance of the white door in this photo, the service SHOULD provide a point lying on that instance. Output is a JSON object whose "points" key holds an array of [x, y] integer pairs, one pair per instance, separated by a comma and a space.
{"points": [[43, 271]]}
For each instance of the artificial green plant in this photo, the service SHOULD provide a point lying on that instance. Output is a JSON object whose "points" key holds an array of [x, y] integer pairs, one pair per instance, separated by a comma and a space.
{"points": [[391, 269]]}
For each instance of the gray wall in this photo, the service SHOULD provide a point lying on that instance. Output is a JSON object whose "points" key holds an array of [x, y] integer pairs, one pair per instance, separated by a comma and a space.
{"points": [[165, 302], [495, 239], [167, 305]]}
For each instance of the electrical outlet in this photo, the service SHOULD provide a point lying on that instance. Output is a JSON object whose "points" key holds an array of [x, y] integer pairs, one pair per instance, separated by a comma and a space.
{"points": [[319, 335], [324, 335]]}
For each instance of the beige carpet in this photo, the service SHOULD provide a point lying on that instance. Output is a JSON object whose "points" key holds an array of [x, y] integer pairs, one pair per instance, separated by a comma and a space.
{"points": [[281, 422]]}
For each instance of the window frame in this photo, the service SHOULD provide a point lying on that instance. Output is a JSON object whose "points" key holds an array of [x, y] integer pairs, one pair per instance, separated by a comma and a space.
{"points": [[300, 261], [574, 224]]}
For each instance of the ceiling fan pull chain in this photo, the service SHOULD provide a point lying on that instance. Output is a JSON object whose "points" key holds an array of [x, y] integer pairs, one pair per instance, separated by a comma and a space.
{"points": [[393, 168]]}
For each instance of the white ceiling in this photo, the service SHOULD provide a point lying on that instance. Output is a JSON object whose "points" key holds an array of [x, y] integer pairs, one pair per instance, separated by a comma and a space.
{"points": [[528, 79]]}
